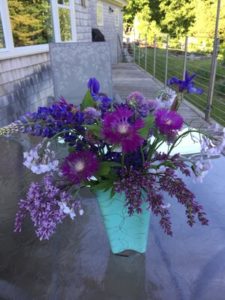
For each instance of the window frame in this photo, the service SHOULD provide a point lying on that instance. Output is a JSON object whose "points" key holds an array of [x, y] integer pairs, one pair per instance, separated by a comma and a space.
{"points": [[11, 51], [100, 4], [117, 17]]}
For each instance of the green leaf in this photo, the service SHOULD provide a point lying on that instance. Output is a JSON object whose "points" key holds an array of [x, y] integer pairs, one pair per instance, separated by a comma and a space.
{"points": [[87, 101], [103, 185], [105, 167], [95, 129], [144, 132]]}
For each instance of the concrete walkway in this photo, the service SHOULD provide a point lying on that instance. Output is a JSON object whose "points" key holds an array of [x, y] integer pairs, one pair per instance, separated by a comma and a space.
{"points": [[128, 77]]}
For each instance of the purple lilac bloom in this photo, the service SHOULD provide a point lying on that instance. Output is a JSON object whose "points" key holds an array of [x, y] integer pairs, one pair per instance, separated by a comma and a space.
{"points": [[134, 182], [43, 204], [152, 104], [168, 121], [91, 114], [186, 84], [118, 129], [135, 98], [79, 166]]}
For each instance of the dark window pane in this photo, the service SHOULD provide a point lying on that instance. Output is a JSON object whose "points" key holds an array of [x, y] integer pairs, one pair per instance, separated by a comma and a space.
{"points": [[31, 22], [2, 40], [65, 2], [65, 25]]}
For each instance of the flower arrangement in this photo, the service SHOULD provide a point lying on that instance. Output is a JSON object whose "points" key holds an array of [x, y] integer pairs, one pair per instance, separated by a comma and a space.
{"points": [[110, 146]]}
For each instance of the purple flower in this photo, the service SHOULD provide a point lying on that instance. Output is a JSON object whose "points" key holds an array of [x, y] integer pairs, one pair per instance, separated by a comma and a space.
{"points": [[135, 98], [43, 204], [91, 114], [118, 129], [94, 86], [79, 166], [168, 121], [186, 84], [152, 104]]}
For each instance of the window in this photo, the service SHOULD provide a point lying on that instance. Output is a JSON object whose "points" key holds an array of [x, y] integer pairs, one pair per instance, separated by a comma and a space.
{"points": [[30, 22], [2, 40], [100, 20], [117, 17], [27, 26]]}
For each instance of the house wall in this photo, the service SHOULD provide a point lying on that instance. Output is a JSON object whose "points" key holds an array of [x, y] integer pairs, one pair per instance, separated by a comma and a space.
{"points": [[111, 32], [83, 22], [25, 83]]}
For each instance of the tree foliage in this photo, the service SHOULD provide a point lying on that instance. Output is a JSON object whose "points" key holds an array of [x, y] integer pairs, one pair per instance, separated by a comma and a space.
{"points": [[30, 21], [178, 18]]}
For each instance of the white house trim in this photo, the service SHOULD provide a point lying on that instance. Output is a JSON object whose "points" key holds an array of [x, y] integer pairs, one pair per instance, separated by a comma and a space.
{"points": [[10, 51]]}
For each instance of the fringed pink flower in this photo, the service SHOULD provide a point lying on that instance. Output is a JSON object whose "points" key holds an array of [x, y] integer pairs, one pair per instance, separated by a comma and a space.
{"points": [[118, 129], [168, 121], [79, 166]]}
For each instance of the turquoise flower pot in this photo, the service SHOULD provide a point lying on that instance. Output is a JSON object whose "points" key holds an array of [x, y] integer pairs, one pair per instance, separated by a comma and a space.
{"points": [[124, 232]]}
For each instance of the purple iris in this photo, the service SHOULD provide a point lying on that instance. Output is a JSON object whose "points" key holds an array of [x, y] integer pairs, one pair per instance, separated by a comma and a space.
{"points": [[186, 84], [94, 86]]}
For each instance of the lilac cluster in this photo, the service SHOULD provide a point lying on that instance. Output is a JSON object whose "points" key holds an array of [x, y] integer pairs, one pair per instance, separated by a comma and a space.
{"points": [[44, 204], [140, 104], [175, 187], [139, 189], [48, 121], [143, 186]]}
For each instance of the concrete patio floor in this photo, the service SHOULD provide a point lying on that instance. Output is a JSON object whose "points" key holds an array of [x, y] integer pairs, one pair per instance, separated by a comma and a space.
{"points": [[76, 264], [129, 77]]}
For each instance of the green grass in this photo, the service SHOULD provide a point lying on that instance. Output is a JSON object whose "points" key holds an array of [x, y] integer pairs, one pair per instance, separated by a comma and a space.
{"points": [[200, 67]]}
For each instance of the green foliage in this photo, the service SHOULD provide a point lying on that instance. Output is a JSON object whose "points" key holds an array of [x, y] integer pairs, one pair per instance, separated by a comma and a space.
{"points": [[30, 21], [87, 101], [177, 18], [149, 121], [105, 167]]}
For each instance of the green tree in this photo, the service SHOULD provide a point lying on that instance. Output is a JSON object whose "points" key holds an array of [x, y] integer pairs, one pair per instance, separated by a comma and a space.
{"points": [[30, 21], [178, 16]]}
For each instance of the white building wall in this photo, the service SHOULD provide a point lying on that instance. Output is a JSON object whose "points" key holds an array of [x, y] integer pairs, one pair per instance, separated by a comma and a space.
{"points": [[111, 32], [83, 21]]}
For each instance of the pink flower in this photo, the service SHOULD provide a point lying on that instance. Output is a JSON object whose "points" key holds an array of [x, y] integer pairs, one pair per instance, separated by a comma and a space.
{"points": [[168, 121], [118, 129], [79, 166]]}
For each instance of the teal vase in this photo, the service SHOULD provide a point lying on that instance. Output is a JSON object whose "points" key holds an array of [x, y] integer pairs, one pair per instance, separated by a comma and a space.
{"points": [[124, 232]]}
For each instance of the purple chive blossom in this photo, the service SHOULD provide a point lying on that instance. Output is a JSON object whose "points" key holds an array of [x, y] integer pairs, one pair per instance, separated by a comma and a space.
{"points": [[79, 166], [168, 121], [117, 129], [91, 114], [42, 203], [152, 104], [94, 86], [135, 98], [186, 85]]}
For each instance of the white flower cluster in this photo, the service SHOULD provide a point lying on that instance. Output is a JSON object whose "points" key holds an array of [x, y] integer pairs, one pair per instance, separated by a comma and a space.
{"points": [[200, 169], [40, 159], [166, 98], [70, 211], [209, 149]]}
